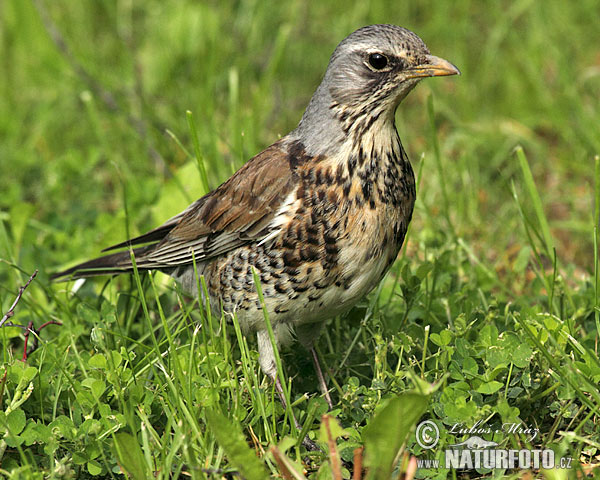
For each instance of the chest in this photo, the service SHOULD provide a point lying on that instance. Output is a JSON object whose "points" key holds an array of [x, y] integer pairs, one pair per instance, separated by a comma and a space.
{"points": [[364, 201], [349, 222]]}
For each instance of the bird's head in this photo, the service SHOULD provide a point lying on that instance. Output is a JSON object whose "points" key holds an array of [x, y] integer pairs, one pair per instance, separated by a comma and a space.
{"points": [[378, 65], [368, 75]]}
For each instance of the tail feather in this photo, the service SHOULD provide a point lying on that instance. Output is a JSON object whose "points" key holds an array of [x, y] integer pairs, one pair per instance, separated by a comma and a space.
{"points": [[112, 264]]}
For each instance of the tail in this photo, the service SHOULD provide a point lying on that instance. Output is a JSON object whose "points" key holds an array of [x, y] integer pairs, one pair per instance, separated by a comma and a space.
{"points": [[112, 264]]}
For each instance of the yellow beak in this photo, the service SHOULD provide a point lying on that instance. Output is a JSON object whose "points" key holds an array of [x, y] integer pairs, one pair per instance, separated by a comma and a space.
{"points": [[432, 67]]}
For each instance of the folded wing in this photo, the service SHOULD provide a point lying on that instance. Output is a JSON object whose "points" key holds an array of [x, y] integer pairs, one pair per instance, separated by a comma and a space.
{"points": [[239, 211]]}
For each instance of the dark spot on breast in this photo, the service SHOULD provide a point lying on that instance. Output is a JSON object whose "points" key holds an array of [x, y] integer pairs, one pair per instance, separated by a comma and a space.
{"points": [[300, 234], [237, 267], [291, 271], [332, 197], [287, 242], [332, 250], [319, 179], [312, 228], [346, 189], [351, 164], [361, 156], [290, 260], [309, 253], [339, 174], [312, 239], [367, 189]]}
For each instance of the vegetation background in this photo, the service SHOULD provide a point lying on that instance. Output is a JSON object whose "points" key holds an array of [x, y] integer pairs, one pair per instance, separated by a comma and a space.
{"points": [[494, 298]]}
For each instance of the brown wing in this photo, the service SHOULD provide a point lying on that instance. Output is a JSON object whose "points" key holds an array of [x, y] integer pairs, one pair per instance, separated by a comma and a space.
{"points": [[237, 212]]}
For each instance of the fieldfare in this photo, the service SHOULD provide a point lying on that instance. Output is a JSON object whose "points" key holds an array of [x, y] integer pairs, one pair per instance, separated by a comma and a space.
{"points": [[320, 215]]}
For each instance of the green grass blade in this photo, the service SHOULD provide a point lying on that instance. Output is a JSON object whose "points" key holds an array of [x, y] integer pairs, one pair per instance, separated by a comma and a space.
{"points": [[438, 163], [536, 201], [197, 153], [232, 440], [280, 372], [596, 226]]}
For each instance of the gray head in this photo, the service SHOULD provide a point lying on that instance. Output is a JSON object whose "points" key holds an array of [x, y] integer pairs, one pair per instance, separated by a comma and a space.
{"points": [[368, 75]]}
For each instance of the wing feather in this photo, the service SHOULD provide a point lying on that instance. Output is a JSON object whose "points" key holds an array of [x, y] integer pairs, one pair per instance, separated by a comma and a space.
{"points": [[240, 211], [237, 212]]}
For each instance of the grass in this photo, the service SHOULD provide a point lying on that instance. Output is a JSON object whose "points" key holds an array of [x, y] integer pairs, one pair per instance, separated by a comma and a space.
{"points": [[494, 298]]}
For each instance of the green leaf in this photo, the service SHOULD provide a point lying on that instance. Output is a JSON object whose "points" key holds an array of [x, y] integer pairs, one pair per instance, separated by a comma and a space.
{"points": [[489, 387], [446, 337], [97, 361], [51, 446], [15, 421], [470, 366], [388, 430], [29, 374], [94, 467], [11, 332], [79, 458], [97, 387], [230, 437], [13, 441], [488, 335], [130, 456], [36, 432], [325, 472], [521, 351]]}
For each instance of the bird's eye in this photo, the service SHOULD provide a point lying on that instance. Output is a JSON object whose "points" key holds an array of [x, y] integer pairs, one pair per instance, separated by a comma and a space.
{"points": [[378, 61]]}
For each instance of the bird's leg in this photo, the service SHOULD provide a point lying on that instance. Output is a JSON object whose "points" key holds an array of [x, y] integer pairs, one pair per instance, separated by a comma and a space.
{"points": [[307, 335], [269, 367], [281, 396], [307, 442], [321, 378]]}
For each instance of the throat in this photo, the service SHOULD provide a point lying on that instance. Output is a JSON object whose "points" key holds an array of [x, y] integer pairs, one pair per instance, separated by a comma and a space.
{"points": [[377, 167]]}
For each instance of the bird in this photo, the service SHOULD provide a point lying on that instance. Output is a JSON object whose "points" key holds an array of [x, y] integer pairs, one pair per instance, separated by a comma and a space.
{"points": [[319, 216]]}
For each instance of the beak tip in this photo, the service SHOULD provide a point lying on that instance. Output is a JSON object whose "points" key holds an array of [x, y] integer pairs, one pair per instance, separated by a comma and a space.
{"points": [[440, 67]]}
